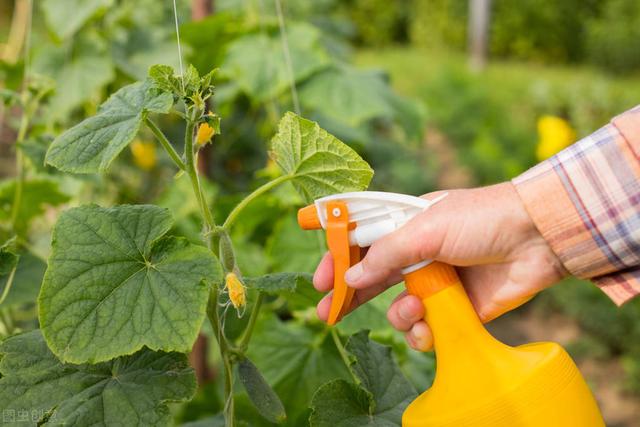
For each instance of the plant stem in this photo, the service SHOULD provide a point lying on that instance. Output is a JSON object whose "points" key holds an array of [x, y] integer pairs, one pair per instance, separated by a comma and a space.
{"points": [[195, 181], [190, 167], [246, 335], [229, 404], [20, 173], [214, 319], [256, 193], [165, 143], [212, 304], [18, 31], [7, 286], [343, 353]]}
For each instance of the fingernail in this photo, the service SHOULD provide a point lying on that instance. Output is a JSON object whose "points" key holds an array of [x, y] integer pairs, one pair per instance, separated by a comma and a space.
{"points": [[405, 312], [354, 273], [419, 334], [420, 338]]}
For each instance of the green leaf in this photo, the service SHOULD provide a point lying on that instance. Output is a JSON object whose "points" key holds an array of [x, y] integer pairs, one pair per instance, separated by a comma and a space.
{"points": [[188, 85], [178, 197], [164, 78], [214, 421], [295, 359], [35, 149], [78, 77], [318, 162], [379, 397], [144, 45], [348, 95], [304, 300], [260, 392], [114, 284], [65, 17], [250, 256], [37, 195], [292, 248], [26, 282], [278, 282], [379, 374], [8, 257], [371, 316], [131, 390], [343, 404], [9, 97], [222, 27], [93, 144], [257, 64], [8, 266], [352, 97]]}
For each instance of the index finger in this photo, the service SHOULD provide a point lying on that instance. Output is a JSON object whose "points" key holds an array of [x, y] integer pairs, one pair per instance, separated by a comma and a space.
{"points": [[323, 277]]}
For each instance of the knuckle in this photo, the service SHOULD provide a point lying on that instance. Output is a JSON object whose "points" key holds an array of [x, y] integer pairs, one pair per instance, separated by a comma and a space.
{"points": [[391, 316], [374, 255], [427, 237]]}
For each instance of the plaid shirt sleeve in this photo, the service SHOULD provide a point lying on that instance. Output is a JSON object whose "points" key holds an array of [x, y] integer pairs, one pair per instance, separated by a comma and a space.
{"points": [[586, 203]]}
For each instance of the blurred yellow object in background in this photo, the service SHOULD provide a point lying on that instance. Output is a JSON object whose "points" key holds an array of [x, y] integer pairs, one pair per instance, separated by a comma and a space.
{"points": [[144, 154], [555, 134]]}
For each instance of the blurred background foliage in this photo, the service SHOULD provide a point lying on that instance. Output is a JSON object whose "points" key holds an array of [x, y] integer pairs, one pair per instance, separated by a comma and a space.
{"points": [[390, 78]]}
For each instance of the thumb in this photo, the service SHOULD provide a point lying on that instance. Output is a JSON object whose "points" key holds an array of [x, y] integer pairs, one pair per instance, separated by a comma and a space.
{"points": [[417, 240]]}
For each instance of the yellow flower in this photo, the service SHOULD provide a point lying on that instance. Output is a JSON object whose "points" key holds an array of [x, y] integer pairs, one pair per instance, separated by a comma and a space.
{"points": [[554, 134], [236, 290], [144, 154], [208, 128], [205, 132]]}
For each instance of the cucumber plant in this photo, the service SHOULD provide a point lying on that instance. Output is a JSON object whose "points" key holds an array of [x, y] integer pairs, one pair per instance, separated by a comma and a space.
{"points": [[123, 300]]}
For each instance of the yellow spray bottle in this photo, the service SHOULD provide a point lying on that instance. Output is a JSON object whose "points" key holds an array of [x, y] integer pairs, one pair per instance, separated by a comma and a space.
{"points": [[479, 381]]}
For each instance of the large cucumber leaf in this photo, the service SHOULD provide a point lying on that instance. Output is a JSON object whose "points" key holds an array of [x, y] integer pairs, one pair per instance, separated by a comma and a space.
{"points": [[377, 399], [318, 163], [114, 284], [94, 143], [36, 388]]}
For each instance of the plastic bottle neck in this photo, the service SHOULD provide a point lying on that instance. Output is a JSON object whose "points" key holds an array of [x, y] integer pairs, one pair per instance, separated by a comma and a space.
{"points": [[461, 342]]}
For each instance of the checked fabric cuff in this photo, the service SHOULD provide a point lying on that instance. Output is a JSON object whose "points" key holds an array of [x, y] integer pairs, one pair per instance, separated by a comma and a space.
{"points": [[586, 203]]}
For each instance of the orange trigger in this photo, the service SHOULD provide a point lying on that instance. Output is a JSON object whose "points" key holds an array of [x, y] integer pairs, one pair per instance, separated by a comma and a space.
{"points": [[338, 242], [354, 258]]}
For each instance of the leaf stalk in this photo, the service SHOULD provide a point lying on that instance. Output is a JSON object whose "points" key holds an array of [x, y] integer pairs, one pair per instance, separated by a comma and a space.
{"points": [[255, 194], [20, 170], [162, 139]]}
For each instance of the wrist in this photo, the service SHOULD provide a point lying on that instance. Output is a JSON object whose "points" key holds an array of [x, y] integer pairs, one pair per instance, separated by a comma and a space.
{"points": [[527, 238]]}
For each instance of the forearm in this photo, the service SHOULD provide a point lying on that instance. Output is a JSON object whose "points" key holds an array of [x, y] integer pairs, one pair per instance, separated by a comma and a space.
{"points": [[585, 201]]}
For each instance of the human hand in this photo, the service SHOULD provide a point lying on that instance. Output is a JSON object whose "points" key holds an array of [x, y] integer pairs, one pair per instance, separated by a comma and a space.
{"points": [[503, 260]]}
